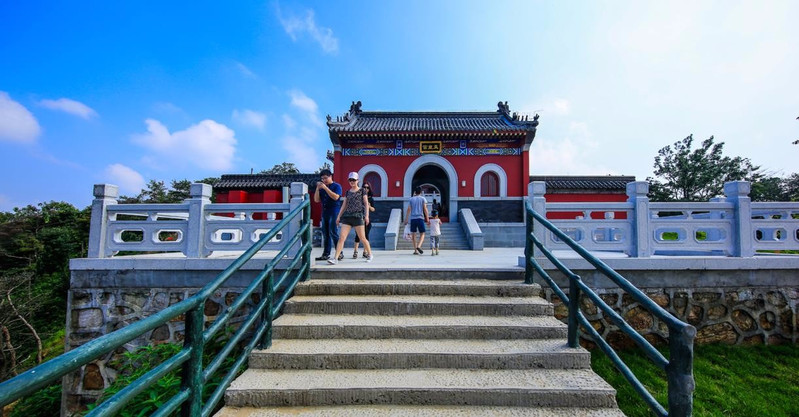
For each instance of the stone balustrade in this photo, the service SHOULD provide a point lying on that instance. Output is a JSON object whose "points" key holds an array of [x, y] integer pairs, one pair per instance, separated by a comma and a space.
{"points": [[726, 226], [194, 229]]}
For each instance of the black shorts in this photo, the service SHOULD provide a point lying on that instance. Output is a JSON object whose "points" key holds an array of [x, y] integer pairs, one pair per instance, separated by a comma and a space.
{"points": [[352, 219]]}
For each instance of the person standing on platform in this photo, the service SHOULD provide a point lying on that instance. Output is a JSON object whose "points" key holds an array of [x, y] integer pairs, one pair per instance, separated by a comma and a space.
{"points": [[418, 216], [369, 196], [329, 194], [436, 206], [354, 214]]}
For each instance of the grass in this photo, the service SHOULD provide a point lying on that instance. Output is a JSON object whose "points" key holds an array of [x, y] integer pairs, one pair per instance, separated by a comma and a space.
{"points": [[730, 380]]}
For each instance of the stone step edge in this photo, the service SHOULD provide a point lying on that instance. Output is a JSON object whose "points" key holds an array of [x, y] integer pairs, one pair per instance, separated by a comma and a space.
{"points": [[417, 410], [420, 360], [414, 288], [416, 309], [448, 387]]}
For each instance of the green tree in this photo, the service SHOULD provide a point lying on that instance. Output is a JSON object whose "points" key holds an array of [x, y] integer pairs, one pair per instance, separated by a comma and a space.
{"points": [[284, 168], [158, 192], [686, 174], [36, 243], [791, 187], [326, 165], [768, 189]]}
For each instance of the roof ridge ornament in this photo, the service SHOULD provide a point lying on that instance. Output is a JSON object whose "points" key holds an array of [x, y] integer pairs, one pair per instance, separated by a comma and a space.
{"points": [[503, 108], [355, 108]]}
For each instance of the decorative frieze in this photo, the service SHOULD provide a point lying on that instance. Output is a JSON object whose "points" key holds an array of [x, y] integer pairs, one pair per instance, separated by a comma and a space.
{"points": [[443, 152]]}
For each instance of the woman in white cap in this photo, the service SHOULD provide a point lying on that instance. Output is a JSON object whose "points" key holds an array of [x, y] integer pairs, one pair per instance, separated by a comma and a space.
{"points": [[354, 213]]}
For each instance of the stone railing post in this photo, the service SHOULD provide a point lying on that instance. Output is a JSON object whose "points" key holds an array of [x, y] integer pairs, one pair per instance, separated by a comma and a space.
{"points": [[104, 195], [393, 229], [737, 193], [636, 194], [200, 196], [536, 191], [298, 192]]}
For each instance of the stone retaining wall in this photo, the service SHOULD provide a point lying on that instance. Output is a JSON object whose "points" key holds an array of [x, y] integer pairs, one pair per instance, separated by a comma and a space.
{"points": [[735, 316], [93, 312]]}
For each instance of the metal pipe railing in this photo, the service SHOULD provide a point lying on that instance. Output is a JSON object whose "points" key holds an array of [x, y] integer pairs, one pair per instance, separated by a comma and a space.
{"points": [[679, 366], [190, 358]]}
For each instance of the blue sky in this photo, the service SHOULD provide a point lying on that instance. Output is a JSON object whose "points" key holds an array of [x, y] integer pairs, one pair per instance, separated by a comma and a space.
{"points": [[126, 92]]}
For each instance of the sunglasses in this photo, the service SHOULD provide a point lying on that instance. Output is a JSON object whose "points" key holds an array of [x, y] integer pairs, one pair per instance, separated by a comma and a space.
{"points": [[352, 180]]}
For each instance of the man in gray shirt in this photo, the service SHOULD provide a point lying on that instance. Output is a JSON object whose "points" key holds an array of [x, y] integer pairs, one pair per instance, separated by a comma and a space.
{"points": [[417, 215]]}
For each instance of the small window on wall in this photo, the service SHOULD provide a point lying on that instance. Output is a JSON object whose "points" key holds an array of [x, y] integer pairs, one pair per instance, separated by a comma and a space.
{"points": [[489, 185], [373, 178]]}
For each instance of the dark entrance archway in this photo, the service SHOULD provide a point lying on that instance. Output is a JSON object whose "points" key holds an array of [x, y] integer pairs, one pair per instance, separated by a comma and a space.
{"points": [[433, 175]]}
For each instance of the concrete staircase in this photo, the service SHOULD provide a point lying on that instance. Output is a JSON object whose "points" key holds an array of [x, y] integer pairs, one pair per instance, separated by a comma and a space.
{"points": [[452, 238], [399, 347]]}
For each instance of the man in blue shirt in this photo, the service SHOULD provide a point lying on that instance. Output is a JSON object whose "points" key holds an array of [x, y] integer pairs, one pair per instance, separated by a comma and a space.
{"points": [[329, 194], [417, 214]]}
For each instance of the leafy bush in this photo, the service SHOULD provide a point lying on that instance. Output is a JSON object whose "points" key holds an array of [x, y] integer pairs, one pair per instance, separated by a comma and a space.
{"points": [[132, 365], [43, 403]]}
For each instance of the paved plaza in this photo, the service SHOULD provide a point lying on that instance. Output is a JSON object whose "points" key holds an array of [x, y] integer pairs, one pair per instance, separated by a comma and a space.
{"points": [[489, 258]]}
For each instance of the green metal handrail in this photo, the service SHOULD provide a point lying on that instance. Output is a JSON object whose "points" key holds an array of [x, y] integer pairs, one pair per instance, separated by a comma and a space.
{"points": [[189, 359], [679, 366]]}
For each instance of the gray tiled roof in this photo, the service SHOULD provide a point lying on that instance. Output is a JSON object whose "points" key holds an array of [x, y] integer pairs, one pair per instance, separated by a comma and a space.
{"points": [[430, 122], [616, 182], [263, 181]]}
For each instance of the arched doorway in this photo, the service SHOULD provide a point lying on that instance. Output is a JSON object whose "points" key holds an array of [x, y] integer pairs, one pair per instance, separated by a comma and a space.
{"points": [[435, 185]]}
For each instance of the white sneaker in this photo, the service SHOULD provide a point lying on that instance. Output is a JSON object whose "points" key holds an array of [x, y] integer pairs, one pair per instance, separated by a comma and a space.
{"points": [[332, 261], [369, 258]]}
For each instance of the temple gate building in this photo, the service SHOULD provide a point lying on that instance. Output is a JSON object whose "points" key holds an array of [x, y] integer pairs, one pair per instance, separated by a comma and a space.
{"points": [[478, 161], [475, 160]]}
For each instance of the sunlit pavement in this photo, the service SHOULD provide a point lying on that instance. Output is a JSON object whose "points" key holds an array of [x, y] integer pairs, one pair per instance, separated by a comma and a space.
{"points": [[489, 258]]}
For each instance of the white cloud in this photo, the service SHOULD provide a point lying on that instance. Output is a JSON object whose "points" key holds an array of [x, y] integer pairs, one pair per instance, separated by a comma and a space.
{"points": [[572, 155], [557, 107], [129, 181], [167, 108], [245, 71], [302, 153], [296, 26], [561, 106], [207, 144], [72, 107], [302, 138], [250, 118], [289, 122], [305, 104], [17, 124]]}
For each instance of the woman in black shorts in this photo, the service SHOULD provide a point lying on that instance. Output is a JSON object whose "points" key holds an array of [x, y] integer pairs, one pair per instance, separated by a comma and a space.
{"points": [[354, 213], [370, 198]]}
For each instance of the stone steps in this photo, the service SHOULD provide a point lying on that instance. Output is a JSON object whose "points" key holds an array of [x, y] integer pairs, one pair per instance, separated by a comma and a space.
{"points": [[323, 326], [406, 346], [518, 388], [425, 353], [421, 411], [452, 238], [410, 287], [392, 305]]}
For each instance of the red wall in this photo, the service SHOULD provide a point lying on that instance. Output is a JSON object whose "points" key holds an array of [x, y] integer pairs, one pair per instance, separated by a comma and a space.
{"points": [[584, 198], [265, 196], [276, 196], [466, 167]]}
